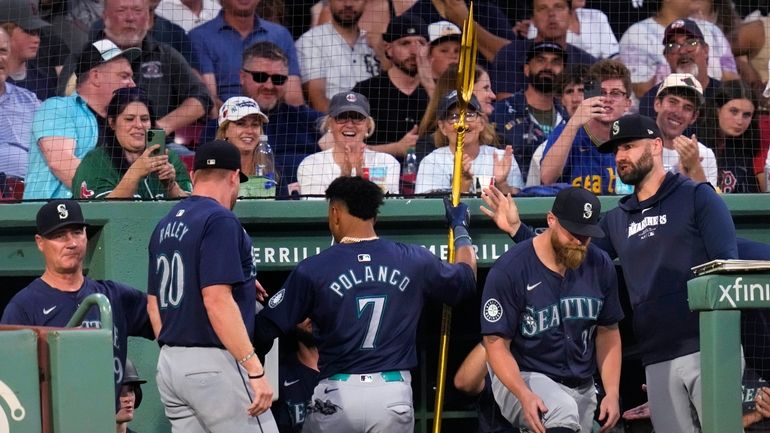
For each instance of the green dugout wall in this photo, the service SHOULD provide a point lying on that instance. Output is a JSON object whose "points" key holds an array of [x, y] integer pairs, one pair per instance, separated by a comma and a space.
{"points": [[284, 233]]}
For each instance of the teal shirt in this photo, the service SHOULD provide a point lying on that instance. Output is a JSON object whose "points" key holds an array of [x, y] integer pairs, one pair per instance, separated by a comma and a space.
{"points": [[67, 117], [96, 177]]}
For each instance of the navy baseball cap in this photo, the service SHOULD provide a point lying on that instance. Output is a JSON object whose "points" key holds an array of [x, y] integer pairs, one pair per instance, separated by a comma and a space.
{"points": [[219, 154], [57, 214], [23, 13], [349, 101], [103, 51], [450, 100], [403, 26], [578, 211], [682, 26], [546, 47], [627, 129]]}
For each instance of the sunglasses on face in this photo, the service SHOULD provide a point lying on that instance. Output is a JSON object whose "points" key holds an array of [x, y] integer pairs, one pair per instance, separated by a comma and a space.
{"points": [[343, 118], [261, 77], [470, 116], [675, 46]]}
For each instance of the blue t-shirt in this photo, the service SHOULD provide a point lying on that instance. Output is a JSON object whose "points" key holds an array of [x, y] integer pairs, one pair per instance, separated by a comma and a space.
{"points": [[198, 244], [585, 167], [68, 117], [17, 106], [365, 300], [220, 50], [42, 305], [551, 320]]}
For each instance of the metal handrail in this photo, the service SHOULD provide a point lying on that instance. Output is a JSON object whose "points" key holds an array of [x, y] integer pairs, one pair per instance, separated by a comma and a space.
{"points": [[105, 311]]}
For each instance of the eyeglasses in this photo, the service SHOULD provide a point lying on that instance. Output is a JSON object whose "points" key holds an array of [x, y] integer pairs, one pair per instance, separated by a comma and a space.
{"points": [[261, 77], [689, 44], [470, 116], [343, 118], [614, 94]]}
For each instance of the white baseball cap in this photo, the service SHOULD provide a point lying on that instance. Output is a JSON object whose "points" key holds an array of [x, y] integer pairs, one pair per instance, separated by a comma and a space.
{"points": [[238, 107], [441, 31], [687, 81]]}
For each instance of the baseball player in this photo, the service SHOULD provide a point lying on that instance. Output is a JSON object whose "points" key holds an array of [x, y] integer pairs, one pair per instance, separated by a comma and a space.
{"points": [[297, 377], [549, 317], [202, 300], [364, 296], [52, 299], [667, 226]]}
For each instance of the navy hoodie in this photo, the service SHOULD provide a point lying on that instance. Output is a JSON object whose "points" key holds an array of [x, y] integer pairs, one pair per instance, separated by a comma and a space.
{"points": [[658, 241]]}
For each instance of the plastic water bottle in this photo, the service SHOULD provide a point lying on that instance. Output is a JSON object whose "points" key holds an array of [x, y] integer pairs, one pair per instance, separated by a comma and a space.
{"points": [[409, 172], [767, 175], [265, 162]]}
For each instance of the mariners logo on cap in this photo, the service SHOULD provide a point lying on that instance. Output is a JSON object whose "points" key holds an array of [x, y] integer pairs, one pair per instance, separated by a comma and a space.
{"points": [[616, 127], [351, 97], [588, 210], [276, 299], [63, 212], [493, 311]]}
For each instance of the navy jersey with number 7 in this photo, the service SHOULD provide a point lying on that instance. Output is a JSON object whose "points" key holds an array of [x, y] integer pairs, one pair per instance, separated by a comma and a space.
{"points": [[365, 300]]}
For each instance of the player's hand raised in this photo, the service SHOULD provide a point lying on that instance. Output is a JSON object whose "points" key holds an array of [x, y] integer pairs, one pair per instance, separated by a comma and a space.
{"points": [[609, 412], [501, 209], [263, 396], [533, 407]]}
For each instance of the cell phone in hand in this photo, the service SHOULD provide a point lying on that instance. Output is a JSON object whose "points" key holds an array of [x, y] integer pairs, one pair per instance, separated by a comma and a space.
{"points": [[591, 89], [156, 136]]}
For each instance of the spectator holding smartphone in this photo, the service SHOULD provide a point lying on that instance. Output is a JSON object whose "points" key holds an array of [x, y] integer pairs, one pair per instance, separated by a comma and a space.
{"points": [[123, 166]]}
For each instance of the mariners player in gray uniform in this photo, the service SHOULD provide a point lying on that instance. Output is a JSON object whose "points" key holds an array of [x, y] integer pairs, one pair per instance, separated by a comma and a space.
{"points": [[365, 295], [202, 302], [549, 317]]}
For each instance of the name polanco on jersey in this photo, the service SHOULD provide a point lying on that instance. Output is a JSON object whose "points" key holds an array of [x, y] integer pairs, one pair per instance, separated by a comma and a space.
{"points": [[534, 322], [368, 274], [650, 222]]}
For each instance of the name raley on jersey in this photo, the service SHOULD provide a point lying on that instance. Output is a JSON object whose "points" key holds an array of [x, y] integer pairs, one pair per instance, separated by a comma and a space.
{"points": [[380, 274], [175, 229], [574, 308]]}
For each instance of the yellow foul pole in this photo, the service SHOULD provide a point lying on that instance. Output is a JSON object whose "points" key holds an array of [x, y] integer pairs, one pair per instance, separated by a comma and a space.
{"points": [[466, 74]]}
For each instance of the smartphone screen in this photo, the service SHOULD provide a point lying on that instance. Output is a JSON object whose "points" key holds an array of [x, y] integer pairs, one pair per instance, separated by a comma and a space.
{"points": [[156, 136]]}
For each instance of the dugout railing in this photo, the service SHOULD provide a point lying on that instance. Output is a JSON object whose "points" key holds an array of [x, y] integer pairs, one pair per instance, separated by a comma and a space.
{"points": [[720, 298], [283, 234]]}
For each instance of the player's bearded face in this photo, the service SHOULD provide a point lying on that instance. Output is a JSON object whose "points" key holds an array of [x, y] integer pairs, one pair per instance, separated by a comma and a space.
{"points": [[569, 255], [632, 173]]}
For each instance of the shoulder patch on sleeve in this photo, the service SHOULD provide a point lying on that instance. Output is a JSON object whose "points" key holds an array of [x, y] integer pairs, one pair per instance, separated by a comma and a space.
{"points": [[493, 311], [276, 299]]}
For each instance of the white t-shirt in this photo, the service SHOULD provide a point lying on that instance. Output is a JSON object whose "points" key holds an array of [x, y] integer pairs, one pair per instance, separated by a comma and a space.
{"points": [[179, 14], [318, 170], [323, 53], [708, 161], [435, 172], [533, 177], [641, 50], [596, 36]]}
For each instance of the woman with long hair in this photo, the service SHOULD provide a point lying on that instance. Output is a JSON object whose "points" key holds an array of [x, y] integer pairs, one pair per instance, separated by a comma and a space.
{"points": [[123, 166], [240, 123], [730, 129]]}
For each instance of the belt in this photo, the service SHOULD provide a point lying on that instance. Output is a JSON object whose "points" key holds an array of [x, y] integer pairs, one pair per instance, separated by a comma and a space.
{"points": [[573, 382], [387, 376]]}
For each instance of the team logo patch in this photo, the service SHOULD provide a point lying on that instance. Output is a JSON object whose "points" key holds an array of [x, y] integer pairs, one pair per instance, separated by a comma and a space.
{"points": [[63, 212], [588, 210], [364, 258], [616, 127], [276, 299], [84, 192], [493, 311], [179, 213], [351, 97]]}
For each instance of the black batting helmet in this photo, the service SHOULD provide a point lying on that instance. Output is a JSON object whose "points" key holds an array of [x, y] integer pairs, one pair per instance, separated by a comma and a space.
{"points": [[131, 377]]}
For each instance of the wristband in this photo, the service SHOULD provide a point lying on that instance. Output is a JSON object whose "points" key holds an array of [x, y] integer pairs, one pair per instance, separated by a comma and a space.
{"points": [[462, 238], [247, 357], [257, 376]]}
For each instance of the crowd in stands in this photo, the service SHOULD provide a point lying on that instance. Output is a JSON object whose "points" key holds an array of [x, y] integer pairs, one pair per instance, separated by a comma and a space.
{"points": [[552, 78]]}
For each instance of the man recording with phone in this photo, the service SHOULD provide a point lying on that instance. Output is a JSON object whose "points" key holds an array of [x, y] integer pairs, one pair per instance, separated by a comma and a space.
{"points": [[570, 153], [132, 162]]}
